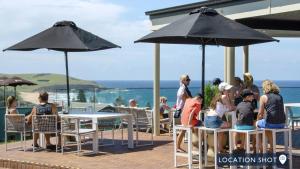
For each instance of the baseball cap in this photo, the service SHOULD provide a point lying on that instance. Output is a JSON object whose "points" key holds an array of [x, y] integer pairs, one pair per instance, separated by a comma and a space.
{"points": [[224, 86], [246, 92]]}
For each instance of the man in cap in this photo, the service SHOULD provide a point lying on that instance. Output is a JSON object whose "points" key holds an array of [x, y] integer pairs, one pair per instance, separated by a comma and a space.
{"points": [[245, 114]]}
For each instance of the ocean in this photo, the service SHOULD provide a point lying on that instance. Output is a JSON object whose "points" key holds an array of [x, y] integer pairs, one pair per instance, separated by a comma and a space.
{"points": [[142, 91]]}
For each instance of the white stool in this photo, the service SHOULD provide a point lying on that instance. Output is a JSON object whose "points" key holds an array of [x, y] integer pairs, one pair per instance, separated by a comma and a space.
{"points": [[189, 153], [287, 142], [215, 131], [248, 133]]}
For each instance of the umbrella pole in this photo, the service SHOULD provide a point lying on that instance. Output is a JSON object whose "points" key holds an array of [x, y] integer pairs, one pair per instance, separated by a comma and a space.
{"points": [[4, 100], [203, 74], [15, 91], [67, 73]]}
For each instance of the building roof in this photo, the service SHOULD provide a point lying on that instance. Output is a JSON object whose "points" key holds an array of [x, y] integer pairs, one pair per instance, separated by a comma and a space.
{"points": [[207, 3]]}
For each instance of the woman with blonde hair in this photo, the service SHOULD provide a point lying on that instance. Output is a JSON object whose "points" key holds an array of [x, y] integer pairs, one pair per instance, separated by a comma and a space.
{"points": [[272, 103], [248, 84], [182, 94], [11, 105]]}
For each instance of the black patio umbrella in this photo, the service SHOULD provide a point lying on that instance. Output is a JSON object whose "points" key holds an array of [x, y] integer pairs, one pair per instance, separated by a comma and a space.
{"points": [[17, 81], [64, 36], [204, 26], [13, 82]]}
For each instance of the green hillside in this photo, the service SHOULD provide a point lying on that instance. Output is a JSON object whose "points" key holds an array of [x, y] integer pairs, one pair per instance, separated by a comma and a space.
{"points": [[48, 81]]}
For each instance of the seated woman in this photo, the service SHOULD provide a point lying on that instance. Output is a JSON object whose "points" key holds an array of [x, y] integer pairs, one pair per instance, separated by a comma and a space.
{"points": [[11, 105], [272, 103], [213, 118], [189, 117], [245, 117], [164, 108]]}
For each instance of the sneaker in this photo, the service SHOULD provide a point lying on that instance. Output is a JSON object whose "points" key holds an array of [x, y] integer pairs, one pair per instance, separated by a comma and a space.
{"points": [[51, 147], [35, 146]]}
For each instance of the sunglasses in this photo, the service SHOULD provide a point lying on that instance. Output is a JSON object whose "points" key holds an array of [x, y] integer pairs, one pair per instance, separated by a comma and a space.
{"points": [[188, 80]]}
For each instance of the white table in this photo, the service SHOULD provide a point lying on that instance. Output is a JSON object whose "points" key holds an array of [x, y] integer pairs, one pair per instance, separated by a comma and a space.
{"points": [[95, 116]]}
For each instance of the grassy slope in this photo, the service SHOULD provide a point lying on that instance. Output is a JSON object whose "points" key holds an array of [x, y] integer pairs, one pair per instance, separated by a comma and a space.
{"points": [[47, 79]]}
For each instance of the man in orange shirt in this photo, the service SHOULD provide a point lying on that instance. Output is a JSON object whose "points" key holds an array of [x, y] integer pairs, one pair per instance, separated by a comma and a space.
{"points": [[189, 116]]}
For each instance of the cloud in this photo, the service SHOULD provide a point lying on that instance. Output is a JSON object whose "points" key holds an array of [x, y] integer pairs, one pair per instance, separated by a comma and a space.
{"points": [[22, 19]]}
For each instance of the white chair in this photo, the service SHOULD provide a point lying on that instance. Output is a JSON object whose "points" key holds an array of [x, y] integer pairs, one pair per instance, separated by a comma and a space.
{"points": [[73, 127], [287, 142], [189, 154], [215, 132], [44, 124], [248, 134], [123, 123], [168, 121], [142, 119], [15, 123], [105, 125], [292, 118]]}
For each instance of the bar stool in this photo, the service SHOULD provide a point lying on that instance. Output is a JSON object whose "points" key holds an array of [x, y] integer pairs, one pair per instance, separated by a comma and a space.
{"points": [[189, 154], [248, 133], [287, 142], [215, 132]]}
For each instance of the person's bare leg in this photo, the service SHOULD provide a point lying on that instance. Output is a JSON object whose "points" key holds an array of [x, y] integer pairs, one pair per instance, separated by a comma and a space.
{"points": [[270, 140], [179, 140], [195, 139], [220, 142], [253, 137], [47, 138], [36, 137], [242, 139]]}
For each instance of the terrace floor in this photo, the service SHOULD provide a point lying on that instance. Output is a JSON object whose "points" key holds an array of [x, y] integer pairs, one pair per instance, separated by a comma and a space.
{"points": [[160, 155]]}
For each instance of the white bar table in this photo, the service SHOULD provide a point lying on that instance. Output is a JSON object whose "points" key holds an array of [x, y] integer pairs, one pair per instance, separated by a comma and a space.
{"points": [[96, 116]]}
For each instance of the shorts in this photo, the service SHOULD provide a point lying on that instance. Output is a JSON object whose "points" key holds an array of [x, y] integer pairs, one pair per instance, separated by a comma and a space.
{"points": [[244, 127], [213, 122], [263, 124], [199, 123]]}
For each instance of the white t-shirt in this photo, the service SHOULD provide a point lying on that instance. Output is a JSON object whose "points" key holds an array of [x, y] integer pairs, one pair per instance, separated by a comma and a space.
{"points": [[221, 109], [180, 93]]}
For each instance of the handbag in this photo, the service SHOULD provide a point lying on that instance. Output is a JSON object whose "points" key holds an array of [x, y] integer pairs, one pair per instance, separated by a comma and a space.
{"points": [[177, 113]]}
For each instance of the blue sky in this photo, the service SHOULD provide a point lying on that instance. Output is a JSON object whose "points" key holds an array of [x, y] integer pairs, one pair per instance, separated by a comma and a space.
{"points": [[122, 22]]}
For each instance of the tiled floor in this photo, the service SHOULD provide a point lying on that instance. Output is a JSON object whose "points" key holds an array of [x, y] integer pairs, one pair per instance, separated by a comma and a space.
{"points": [[115, 157]]}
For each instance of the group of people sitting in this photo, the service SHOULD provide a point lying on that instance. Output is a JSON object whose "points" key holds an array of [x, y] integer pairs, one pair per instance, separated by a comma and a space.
{"points": [[43, 108], [242, 97]]}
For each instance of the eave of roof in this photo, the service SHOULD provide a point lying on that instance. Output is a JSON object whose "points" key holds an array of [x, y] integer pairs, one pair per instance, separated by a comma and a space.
{"points": [[207, 3]]}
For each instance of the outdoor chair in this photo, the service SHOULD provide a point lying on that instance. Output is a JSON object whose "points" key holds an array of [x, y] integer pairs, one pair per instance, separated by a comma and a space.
{"points": [[167, 122], [215, 132], [292, 117], [73, 127], [124, 122], [248, 134], [44, 124], [142, 120], [189, 154], [287, 132], [15, 123], [105, 125]]}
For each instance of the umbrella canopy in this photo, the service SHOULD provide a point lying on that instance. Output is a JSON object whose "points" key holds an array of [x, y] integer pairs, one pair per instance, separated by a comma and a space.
{"points": [[205, 26], [64, 36], [14, 82], [17, 81], [67, 37]]}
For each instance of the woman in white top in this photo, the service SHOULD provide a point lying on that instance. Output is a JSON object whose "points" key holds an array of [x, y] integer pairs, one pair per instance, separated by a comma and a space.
{"points": [[183, 92], [11, 105], [218, 107]]}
